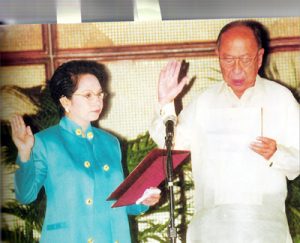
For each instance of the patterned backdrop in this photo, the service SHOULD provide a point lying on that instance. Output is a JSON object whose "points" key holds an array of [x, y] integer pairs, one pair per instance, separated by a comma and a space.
{"points": [[134, 54]]}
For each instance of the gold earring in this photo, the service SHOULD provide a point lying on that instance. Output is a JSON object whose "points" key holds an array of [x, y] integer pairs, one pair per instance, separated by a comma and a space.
{"points": [[67, 110]]}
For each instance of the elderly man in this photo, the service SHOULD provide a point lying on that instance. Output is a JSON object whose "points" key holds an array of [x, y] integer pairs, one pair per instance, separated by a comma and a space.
{"points": [[243, 134]]}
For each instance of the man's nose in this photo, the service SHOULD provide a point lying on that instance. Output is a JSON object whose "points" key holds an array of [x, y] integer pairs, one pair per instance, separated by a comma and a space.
{"points": [[237, 67]]}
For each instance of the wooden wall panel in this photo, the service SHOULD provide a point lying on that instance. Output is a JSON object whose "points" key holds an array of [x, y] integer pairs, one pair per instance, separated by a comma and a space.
{"points": [[51, 45]]}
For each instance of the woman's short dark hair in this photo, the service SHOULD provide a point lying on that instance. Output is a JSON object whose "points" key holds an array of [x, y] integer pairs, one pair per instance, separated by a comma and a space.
{"points": [[257, 29], [64, 81]]}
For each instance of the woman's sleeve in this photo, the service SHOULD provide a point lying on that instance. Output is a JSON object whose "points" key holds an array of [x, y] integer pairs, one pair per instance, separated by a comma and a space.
{"points": [[30, 175], [136, 209]]}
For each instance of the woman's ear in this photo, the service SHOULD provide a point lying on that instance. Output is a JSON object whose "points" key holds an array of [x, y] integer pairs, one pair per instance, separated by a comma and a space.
{"points": [[66, 103]]}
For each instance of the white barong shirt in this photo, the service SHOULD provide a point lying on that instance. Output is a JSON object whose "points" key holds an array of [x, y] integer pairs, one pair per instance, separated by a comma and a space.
{"points": [[239, 197]]}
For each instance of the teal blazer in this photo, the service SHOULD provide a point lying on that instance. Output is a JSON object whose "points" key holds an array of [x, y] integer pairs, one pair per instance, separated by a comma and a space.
{"points": [[78, 171]]}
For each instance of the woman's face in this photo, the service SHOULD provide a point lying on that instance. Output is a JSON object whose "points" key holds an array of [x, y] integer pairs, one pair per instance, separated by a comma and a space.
{"points": [[86, 103]]}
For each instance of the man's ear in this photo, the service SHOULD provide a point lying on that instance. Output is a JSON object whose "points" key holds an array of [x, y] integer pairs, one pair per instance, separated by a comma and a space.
{"points": [[260, 56], [217, 51], [66, 103]]}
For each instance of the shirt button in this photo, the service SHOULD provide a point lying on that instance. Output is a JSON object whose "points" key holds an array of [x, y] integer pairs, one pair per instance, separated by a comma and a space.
{"points": [[105, 167], [89, 201], [90, 135], [90, 240], [87, 164], [78, 131]]}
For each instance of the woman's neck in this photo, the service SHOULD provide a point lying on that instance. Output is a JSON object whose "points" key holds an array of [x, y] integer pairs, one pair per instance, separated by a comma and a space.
{"points": [[83, 124]]}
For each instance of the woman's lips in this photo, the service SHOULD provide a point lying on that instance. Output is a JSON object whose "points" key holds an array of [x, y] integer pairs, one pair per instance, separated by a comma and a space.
{"points": [[97, 111]]}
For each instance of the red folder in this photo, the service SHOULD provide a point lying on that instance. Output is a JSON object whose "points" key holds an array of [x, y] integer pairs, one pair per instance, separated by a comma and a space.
{"points": [[150, 172]]}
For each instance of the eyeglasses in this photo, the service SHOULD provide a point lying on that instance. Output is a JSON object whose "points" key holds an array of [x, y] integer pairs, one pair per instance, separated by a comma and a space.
{"points": [[90, 95], [244, 61]]}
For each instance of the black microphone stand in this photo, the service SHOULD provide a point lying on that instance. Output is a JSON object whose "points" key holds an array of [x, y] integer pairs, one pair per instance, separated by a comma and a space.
{"points": [[172, 233]]}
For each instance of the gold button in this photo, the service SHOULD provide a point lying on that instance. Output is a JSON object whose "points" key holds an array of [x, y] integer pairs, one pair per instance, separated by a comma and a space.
{"points": [[89, 201], [78, 132], [87, 164], [90, 135], [106, 167], [90, 240]]}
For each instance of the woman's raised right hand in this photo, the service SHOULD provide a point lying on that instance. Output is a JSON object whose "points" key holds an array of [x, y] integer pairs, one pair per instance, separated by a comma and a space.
{"points": [[22, 137]]}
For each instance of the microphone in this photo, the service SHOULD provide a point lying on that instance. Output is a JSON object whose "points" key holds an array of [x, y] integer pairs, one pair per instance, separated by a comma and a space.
{"points": [[170, 122]]}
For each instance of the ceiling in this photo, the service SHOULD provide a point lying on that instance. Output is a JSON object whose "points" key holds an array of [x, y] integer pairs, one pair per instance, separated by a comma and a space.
{"points": [[44, 11]]}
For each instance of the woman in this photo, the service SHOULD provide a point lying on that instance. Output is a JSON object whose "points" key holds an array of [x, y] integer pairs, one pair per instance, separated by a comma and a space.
{"points": [[78, 165]]}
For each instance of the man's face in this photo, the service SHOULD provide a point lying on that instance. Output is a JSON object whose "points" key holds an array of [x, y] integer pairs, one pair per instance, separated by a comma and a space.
{"points": [[240, 59]]}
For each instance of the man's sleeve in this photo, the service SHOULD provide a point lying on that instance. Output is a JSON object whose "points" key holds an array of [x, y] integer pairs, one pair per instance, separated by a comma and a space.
{"points": [[286, 158], [184, 128]]}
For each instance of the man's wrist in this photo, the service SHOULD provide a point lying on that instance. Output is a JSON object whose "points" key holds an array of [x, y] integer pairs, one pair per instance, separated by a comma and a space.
{"points": [[167, 110]]}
